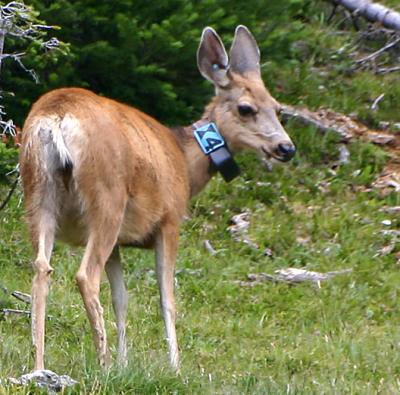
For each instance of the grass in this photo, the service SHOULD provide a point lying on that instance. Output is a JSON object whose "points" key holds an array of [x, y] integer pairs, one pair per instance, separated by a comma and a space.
{"points": [[271, 338]]}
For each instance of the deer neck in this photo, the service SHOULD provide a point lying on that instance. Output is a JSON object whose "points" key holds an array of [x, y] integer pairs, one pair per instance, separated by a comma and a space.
{"points": [[200, 166]]}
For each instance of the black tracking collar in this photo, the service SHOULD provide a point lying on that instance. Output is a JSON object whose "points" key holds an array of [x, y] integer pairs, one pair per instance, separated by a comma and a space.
{"points": [[213, 145]]}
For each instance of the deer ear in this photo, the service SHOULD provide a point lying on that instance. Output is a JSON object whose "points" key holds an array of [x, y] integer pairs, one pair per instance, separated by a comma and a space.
{"points": [[212, 58], [244, 53]]}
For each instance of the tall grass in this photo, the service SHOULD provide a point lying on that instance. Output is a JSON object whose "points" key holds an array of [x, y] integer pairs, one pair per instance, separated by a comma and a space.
{"points": [[270, 338]]}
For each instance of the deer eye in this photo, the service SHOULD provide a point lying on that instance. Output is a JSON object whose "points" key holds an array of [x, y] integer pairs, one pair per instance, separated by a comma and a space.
{"points": [[246, 110]]}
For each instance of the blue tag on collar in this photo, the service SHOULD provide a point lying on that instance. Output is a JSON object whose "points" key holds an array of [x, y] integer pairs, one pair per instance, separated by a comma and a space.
{"points": [[209, 138], [213, 144]]}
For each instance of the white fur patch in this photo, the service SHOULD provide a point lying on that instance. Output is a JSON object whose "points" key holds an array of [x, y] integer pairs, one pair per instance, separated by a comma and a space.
{"points": [[54, 135], [74, 137]]}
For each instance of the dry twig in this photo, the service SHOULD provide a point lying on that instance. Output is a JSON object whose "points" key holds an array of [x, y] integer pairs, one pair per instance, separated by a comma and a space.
{"points": [[376, 102], [23, 297], [239, 228], [291, 276], [10, 193], [386, 70], [209, 247], [378, 53], [7, 312]]}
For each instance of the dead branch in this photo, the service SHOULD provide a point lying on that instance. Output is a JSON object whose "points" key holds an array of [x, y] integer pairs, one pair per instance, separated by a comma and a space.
{"points": [[15, 311], [344, 155], [380, 138], [291, 276], [10, 193], [209, 247], [376, 102], [388, 179], [323, 120], [378, 53], [239, 228], [386, 70], [23, 297], [294, 275], [391, 232], [391, 209], [6, 127]]}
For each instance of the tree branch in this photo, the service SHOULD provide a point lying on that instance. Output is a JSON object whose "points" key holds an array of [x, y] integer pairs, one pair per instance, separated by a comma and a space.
{"points": [[386, 70], [378, 52], [323, 120], [10, 193]]}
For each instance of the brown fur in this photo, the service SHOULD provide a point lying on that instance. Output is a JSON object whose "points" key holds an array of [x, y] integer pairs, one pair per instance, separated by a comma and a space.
{"points": [[101, 174], [152, 182]]}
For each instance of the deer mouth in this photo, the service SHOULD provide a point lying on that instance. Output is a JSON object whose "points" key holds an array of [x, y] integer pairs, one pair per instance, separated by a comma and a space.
{"points": [[282, 154], [269, 155]]}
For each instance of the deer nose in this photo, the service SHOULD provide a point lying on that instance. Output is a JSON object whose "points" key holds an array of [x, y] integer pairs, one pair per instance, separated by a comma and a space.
{"points": [[286, 151]]}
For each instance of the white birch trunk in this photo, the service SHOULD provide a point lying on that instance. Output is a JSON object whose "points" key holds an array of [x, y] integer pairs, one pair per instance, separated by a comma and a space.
{"points": [[2, 37], [373, 12]]}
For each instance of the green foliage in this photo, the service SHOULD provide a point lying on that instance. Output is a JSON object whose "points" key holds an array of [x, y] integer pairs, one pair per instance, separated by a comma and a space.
{"points": [[144, 53], [8, 159], [26, 38], [23, 37]]}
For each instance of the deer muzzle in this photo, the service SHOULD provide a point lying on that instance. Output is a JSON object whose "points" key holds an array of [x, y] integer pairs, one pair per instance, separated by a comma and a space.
{"points": [[285, 151]]}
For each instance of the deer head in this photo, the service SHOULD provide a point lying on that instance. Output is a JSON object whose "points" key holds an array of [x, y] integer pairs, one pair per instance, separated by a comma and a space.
{"points": [[243, 109]]}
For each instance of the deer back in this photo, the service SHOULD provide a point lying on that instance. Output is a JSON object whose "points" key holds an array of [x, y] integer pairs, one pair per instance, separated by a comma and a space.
{"points": [[87, 146]]}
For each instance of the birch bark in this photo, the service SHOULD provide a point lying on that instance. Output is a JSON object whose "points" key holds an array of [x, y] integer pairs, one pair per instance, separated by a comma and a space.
{"points": [[373, 12]]}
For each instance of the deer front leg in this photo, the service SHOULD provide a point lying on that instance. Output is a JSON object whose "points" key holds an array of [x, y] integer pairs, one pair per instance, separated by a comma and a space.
{"points": [[166, 250]]}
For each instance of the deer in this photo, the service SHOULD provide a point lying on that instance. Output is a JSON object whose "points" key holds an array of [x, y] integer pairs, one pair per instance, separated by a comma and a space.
{"points": [[104, 175]]}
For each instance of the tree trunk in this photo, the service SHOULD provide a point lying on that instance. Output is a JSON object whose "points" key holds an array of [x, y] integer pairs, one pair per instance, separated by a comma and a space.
{"points": [[373, 12], [2, 37]]}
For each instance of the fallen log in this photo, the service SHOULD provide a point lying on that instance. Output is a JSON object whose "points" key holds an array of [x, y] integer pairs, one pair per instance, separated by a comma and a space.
{"points": [[323, 120], [373, 12], [347, 128]]}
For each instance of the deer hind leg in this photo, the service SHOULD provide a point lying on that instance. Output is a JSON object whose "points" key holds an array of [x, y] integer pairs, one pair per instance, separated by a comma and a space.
{"points": [[42, 230], [103, 233], [166, 251], [119, 300]]}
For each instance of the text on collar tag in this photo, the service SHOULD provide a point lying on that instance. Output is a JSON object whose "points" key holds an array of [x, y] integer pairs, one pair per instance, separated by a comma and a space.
{"points": [[209, 138]]}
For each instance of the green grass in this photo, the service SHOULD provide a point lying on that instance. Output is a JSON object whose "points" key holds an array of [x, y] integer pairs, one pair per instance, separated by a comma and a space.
{"points": [[271, 338]]}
